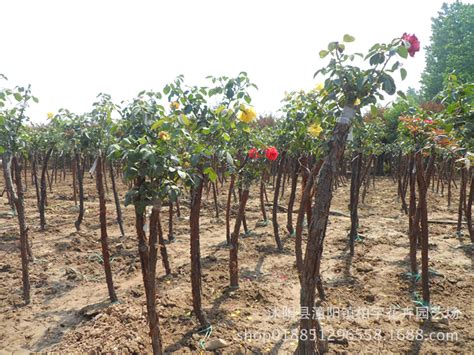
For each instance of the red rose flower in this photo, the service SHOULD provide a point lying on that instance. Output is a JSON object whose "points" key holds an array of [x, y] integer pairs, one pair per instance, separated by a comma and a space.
{"points": [[428, 121], [414, 43], [271, 153], [253, 153]]}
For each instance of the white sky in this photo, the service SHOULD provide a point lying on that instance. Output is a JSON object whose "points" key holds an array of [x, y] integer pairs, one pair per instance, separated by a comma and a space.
{"points": [[72, 50]]}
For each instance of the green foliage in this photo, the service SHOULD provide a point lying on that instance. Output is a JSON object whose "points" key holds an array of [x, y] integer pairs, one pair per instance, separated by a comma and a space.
{"points": [[459, 100], [347, 83], [165, 148], [13, 105], [452, 42], [401, 107], [304, 110]]}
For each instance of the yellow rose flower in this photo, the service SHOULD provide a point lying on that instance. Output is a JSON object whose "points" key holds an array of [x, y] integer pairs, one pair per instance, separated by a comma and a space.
{"points": [[50, 115], [357, 102], [247, 114], [174, 105], [164, 135], [314, 130], [319, 87]]}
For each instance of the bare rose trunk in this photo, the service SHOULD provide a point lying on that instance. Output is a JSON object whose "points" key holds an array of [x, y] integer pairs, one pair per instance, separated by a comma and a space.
{"points": [[411, 216], [234, 242], [354, 199], [313, 254], [118, 208], [80, 182], [275, 202], [170, 222], [214, 195], [422, 189], [300, 218], [35, 180], [103, 233], [462, 199], [43, 193], [196, 196], [148, 258], [227, 210], [291, 200], [155, 228]]}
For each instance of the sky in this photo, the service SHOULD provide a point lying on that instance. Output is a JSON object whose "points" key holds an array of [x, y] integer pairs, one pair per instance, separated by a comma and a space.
{"points": [[69, 51]]}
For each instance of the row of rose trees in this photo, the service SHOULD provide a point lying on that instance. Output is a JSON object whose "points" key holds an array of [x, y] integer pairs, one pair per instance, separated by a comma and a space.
{"points": [[183, 140]]}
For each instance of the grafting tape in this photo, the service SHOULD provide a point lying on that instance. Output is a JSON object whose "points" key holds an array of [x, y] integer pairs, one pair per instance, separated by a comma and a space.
{"points": [[346, 116]]}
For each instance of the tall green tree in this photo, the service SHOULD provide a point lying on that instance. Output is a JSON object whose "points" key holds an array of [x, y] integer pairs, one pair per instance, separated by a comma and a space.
{"points": [[451, 46]]}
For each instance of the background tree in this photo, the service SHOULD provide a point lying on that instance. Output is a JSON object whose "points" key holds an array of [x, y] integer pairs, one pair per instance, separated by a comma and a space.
{"points": [[452, 41]]}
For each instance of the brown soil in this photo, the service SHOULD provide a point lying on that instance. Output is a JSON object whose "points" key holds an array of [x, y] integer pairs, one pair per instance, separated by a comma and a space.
{"points": [[70, 310]]}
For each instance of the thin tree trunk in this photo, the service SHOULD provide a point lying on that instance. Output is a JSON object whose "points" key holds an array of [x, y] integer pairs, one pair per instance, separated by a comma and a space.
{"points": [[55, 171], [227, 210], [7, 176], [49, 179], [74, 184], [35, 181], [234, 242], [462, 199], [262, 202], [178, 209], [156, 230], [283, 182], [291, 200], [244, 219], [354, 198], [411, 216], [118, 208], [103, 232], [63, 175], [214, 195], [104, 169], [366, 177], [196, 194], [275, 202], [422, 189], [450, 179], [80, 179], [25, 168], [170, 222], [44, 170]]}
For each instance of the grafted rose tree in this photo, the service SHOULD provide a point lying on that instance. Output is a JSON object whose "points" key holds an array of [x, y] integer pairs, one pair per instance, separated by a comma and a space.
{"points": [[208, 117], [101, 139], [152, 165], [262, 134], [366, 142], [347, 86], [249, 170], [302, 135], [13, 105], [423, 137]]}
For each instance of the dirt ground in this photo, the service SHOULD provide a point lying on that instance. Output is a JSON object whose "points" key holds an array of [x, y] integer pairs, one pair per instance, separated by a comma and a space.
{"points": [[370, 302]]}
